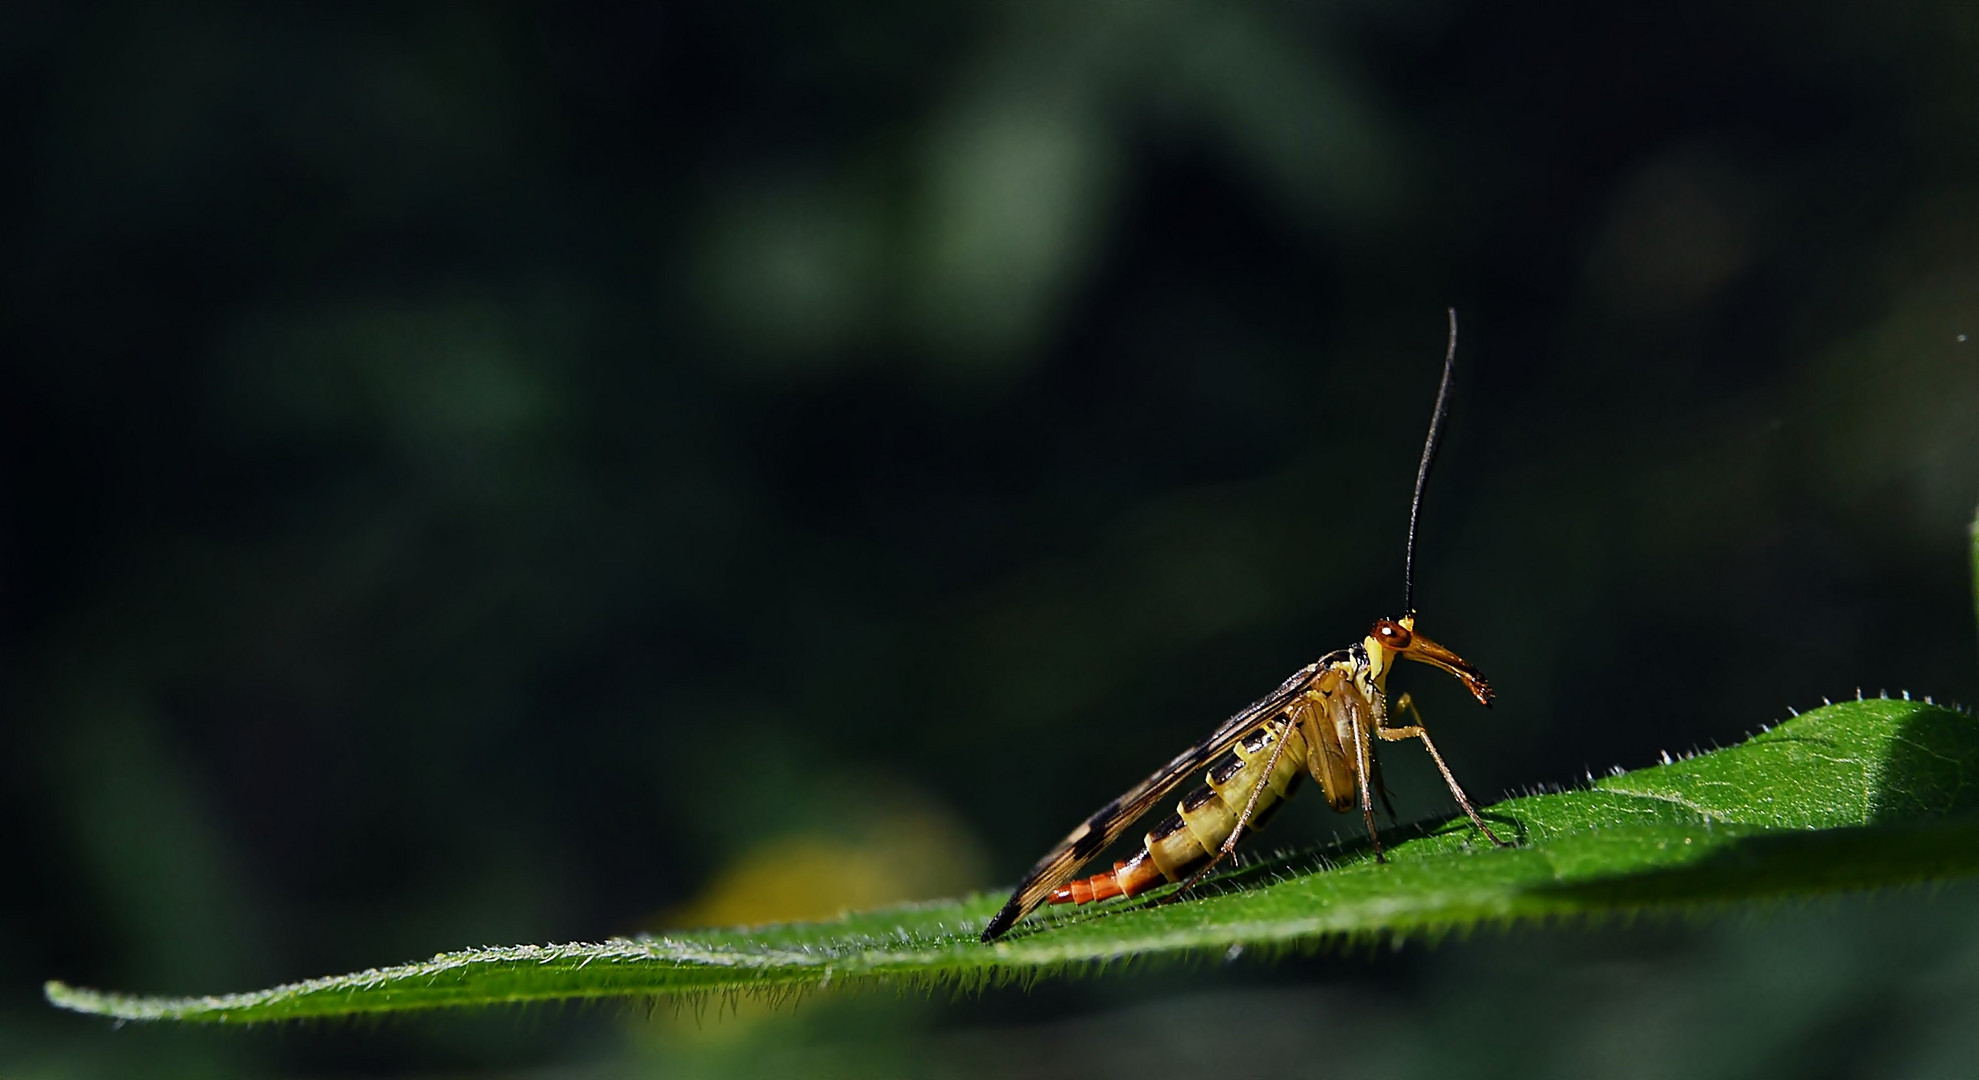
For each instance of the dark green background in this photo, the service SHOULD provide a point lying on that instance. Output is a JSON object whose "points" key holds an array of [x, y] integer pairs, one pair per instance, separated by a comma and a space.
{"points": [[473, 473]]}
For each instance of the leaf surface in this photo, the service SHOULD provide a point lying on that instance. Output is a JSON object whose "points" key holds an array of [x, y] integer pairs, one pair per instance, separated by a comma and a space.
{"points": [[1857, 795]]}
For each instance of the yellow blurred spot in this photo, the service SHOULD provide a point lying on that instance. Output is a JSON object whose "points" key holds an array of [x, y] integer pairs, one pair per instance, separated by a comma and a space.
{"points": [[902, 850], [915, 853]]}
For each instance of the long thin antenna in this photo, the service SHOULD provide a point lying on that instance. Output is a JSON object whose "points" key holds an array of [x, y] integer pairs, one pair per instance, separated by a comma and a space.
{"points": [[1422, 471]]}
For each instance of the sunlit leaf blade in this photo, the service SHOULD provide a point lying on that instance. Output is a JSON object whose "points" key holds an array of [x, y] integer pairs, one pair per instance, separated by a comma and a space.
{"points": [[1852, 796]]}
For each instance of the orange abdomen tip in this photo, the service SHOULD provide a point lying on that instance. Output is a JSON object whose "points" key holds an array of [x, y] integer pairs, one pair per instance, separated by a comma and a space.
{"points": [[1062, 895], [1139, 875]]}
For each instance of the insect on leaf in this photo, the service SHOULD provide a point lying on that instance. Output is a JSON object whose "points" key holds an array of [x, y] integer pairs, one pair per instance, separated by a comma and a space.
{"points": [[1858, 795]]}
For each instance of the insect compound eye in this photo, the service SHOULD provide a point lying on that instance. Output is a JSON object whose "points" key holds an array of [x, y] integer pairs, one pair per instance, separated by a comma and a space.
{"points": [[1392, 634]]}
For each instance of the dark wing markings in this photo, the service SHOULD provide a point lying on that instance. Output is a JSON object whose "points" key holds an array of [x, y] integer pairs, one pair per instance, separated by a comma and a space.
{"points": [[1113, 819]]}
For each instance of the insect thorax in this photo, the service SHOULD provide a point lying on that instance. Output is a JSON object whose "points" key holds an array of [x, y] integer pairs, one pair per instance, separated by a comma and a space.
{"points": [[1361, 669]]}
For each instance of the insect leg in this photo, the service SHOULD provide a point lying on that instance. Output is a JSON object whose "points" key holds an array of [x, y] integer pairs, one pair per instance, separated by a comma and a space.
{"points": [[1417, 731], [1326, 748], [1263, 781], [1363, 754]]}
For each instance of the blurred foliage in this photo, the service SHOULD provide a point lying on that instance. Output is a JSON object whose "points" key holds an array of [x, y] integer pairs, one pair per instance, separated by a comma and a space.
{"points": [[477, 474], [871, 856], [1855, 796]]}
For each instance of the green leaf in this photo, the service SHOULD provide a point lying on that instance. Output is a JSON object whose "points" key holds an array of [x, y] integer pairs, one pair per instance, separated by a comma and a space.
{"points": [[1853, 796]]}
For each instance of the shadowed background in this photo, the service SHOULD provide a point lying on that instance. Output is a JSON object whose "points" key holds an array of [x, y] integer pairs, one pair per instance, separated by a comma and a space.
{"points": [[482, 475]]}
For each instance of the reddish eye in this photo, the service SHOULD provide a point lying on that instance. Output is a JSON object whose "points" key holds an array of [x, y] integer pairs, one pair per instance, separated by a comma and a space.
{"points": [[1392, 635]]}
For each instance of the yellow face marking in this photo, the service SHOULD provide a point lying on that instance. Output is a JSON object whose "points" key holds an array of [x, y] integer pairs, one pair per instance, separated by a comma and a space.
{"points": [[1377, 659]]}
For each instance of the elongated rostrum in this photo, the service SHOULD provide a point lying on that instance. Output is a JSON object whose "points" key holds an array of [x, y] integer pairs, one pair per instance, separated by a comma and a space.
{"points": [[1323, 721]]}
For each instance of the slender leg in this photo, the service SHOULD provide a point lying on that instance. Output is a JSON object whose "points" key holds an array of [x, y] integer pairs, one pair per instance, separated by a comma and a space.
{"points": [[1362, 776], [1416, 731], [1230, 842], [1327, 758]]}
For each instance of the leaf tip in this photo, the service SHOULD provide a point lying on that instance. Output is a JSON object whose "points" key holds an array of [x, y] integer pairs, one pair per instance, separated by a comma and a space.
{"points": [[75, 999]]}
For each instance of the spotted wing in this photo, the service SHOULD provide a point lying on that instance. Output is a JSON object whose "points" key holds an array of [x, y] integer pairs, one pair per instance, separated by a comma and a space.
{"points": [[1113, 819]]}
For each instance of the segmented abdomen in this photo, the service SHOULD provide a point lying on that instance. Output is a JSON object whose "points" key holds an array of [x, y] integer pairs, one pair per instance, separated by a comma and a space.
{"points": [[1203, 819]]}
